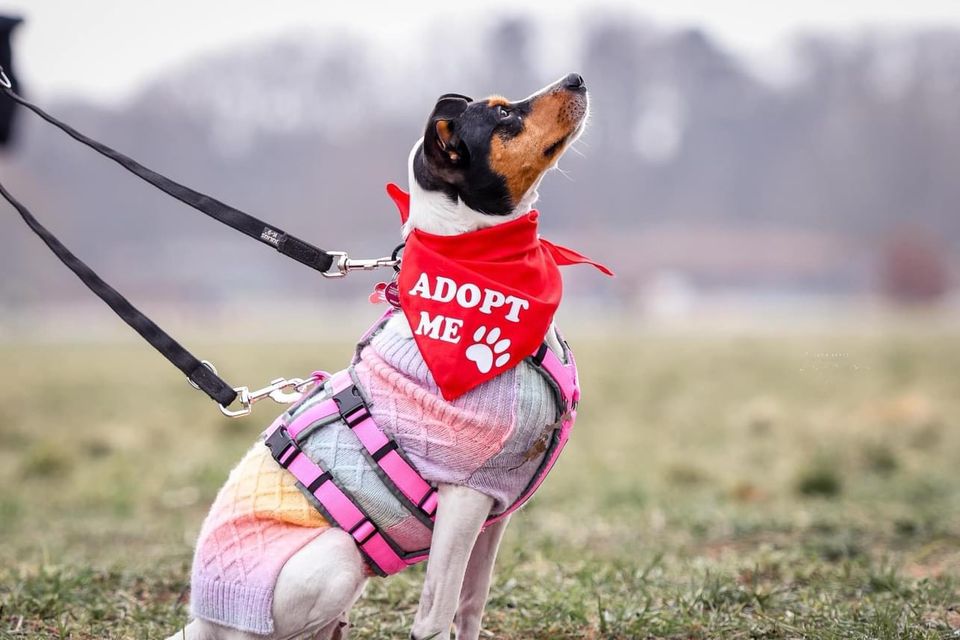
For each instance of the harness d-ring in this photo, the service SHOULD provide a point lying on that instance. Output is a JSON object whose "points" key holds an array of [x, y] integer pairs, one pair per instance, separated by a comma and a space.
{"points": [[4, 80], [395, 256]]}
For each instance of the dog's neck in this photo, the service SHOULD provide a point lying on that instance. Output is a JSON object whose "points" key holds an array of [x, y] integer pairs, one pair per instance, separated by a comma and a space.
{"points": [[435, 212]]}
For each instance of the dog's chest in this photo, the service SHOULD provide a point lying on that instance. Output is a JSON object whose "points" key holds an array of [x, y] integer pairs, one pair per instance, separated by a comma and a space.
{"points": [[492, 438]]}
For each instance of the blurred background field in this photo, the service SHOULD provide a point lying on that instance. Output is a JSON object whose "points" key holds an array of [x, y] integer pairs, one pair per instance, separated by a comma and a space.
{"points": [[769, 442], [795, 485], [817, 172]]}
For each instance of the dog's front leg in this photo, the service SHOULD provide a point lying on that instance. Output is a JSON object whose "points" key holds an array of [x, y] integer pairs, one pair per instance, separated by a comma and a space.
{"points": [[461, 513], [476, 582]]}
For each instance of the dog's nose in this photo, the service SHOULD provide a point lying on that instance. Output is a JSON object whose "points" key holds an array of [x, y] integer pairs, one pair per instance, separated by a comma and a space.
{"points": [[574, 82]]}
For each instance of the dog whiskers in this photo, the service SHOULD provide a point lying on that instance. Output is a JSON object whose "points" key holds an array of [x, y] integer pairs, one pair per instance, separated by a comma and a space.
{"points": [[563, 173]]}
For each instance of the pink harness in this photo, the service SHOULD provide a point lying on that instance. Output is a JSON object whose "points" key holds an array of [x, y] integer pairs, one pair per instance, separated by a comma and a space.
{"points": [[337, 505]]}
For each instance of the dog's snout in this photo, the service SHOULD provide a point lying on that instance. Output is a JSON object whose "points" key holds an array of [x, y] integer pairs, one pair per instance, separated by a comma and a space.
{"points": [[574, 82]]}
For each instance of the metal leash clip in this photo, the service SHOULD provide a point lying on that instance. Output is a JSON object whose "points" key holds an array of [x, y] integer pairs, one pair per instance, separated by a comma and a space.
{"points": [[345, 264], [4, 80], [281, 391]]}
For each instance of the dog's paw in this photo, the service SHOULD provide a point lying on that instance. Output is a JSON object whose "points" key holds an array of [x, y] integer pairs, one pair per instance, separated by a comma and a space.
{"points": [[483, 351]]}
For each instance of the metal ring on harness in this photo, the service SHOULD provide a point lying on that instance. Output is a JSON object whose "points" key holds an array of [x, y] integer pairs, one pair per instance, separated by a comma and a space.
{"points": [[4, 80], [395, 256]]}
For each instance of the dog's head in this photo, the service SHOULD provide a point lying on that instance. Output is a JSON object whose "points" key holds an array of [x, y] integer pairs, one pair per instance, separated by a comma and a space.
{"points": [[482, 160]]}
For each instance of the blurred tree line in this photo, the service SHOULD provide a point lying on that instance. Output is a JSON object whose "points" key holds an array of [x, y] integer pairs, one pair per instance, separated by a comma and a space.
{"points": [[859, 145]]}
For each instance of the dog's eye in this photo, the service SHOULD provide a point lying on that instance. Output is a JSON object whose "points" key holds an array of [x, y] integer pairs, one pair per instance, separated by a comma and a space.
{"points": [[503, 113]]}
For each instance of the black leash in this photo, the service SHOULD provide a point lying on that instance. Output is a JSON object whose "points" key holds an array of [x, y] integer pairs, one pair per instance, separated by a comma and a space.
{"points": [[198, 373], [257, 229], [201, 374]]}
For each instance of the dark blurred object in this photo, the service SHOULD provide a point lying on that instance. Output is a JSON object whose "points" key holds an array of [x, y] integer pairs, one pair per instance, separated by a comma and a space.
{"points": [[914, 270], [7, 106]]}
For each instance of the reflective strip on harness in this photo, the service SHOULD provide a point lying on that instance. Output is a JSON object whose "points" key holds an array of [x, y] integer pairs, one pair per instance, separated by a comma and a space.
{"points": [[347, 403]]}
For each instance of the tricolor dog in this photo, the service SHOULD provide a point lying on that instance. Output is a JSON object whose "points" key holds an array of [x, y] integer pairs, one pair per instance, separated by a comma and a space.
{"points": [[456, 404]]}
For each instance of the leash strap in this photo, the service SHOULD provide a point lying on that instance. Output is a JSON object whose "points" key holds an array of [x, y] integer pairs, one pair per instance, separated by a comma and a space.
{"points": [[288, 245], [197, 372], [201, 374]]}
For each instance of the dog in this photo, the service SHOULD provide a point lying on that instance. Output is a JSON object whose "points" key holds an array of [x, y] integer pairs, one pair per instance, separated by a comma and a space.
{"points": [[268, 547]]}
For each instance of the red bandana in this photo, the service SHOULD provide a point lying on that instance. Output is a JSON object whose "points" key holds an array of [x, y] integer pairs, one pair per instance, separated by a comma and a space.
{"points": [[479, 302]]}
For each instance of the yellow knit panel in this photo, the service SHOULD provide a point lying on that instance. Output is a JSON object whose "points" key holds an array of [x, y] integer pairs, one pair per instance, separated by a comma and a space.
{"points": [[258, 486]]}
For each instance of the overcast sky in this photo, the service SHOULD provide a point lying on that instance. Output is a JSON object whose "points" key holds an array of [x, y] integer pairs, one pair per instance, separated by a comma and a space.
{"points": [[104, 49]]}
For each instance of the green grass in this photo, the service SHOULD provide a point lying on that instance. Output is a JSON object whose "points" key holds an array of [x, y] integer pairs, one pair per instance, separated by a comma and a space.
{"points": [[715, 487]]}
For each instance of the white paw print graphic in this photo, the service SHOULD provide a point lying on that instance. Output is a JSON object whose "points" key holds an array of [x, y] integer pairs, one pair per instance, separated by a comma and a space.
{"points": [[483, 351]]}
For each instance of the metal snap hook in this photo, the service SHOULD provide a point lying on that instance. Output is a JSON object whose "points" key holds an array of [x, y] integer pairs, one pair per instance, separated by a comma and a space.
{"points": [[344, 264], [280, 390], [4, 80], [246, 404]]}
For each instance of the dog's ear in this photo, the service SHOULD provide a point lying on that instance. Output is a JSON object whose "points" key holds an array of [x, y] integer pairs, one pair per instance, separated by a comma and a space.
{"points": [[441, 141]]}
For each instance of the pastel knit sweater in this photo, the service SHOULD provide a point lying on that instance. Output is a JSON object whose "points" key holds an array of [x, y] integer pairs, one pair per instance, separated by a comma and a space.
{"points": [[492, 439]]}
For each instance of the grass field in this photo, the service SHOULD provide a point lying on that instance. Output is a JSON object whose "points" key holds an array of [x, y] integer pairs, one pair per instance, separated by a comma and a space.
{"points": [[715, 487]]}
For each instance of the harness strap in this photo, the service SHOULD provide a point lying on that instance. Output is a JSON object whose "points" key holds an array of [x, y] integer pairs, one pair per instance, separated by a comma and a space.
{"points": [[348, 404], [384, 451], [336, 503], [288, 245]]}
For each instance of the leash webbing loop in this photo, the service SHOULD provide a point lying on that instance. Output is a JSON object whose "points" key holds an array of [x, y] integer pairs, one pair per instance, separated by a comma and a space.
{"points": [[288, 245]]}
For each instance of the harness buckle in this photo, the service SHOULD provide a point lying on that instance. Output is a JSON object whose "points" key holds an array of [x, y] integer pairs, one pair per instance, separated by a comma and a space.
{"points": [[280, 443], [350, 403], [345, 264]]}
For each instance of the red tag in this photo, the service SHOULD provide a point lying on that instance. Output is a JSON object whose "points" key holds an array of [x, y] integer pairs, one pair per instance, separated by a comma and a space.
{"points": [[386, 292], [392, 294]]}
